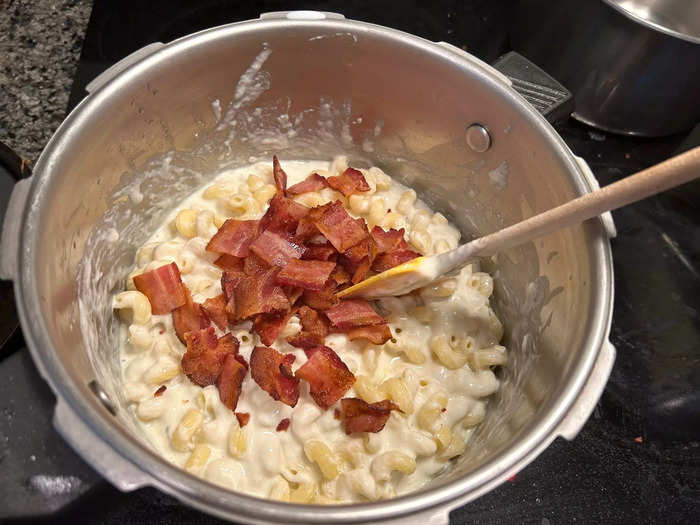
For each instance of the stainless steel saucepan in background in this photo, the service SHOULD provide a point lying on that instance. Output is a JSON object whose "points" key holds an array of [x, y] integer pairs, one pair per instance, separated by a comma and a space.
{"points": [[308, 85]]}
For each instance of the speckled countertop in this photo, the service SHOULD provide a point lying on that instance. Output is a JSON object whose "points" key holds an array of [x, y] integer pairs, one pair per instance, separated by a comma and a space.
{"points": [[40, 42]]}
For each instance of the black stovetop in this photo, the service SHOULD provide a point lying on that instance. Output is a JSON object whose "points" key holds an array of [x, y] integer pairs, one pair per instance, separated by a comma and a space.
{"points": [[638, 457]]}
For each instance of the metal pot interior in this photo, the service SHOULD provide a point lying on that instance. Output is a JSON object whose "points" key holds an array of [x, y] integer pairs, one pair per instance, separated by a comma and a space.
{"points": [[310, 90]]}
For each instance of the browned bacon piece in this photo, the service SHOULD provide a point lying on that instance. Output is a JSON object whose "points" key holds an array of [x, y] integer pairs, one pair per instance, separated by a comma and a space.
{"points": [[328, 377], [276, 250], [272, 372], [386, 261], [353, 313], [189, 317], [215, 308], [230, 263], [359, 416], [310, 275], [305, 340], [377, 334], [259, 294], [336, 225], [389, 241], [243, 418], [349, 182], [163, 287], [340, 275], [234, 237], [254, 265], [321, 299], [230, 382], [283, 215], [358, 259], [314, 328], [319, 252], [205, 355], [283, 425], [269, 326], [313, 182], [279, 175]]}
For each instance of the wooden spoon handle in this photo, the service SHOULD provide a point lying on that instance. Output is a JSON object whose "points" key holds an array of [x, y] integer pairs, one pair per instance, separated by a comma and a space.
{"points": [[672, 172]]}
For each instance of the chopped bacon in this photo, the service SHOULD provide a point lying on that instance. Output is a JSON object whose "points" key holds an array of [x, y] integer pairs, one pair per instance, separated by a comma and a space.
{"points": [[321, 299], [283, 425], [215, 308], [389, 241], [230, 382], [340, 275], [293, 293], [279, 175], [160, 391], [254, 265], [306, 230], [328, 377], [310, 275], [269, 326], [230, 263], [352, 313], [349, 182], [359, 258], [377, 334], [386, 261], [275, 249], [334, 222], [189, 317], [205, 355], [163, 287], [234, 237], [305, 340], [319, 252], [272, 372], [229, 282], [359, 416], [313, 182], [259, 294], [243, 418], [283, 215]]}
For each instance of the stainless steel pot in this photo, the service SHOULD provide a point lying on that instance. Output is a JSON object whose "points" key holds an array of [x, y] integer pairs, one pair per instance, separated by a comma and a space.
{"points": [[307, 84], [633, 65]]}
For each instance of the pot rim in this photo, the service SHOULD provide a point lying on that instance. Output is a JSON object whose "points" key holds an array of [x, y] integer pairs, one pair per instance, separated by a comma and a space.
{"points": [[650, 24], [222, 502]]}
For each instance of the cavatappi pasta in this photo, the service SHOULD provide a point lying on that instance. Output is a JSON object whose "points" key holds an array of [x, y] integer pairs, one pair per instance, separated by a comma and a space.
{"points": [[437, 367]]}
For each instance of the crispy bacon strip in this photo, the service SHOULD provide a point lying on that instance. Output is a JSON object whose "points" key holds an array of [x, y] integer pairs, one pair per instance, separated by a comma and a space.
{"points": [[359, 258], [269, 326], [377, 334], [305, 340], [359, 416], [321, 299], [189, 317], [310, 275], [314, 328], [215, 308], [259, 294], [293, 293], [272, 372], [353, 313], [349, 182], [280, 176], [230, 382], [274, 249], [163, 287], [283, 425], [205, 355], [340, 275], [386, 261], [243, 418], [319, 252], [234, 237], [389, 241], [283, 215], [230, 263], [313, 182], [254, 265], [328, 377], [333, 221]]}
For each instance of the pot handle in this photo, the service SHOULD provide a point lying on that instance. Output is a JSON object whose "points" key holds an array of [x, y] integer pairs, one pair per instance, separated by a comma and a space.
{"points": [[9, 243], [121, 473], [112, 71], [587, 400]]}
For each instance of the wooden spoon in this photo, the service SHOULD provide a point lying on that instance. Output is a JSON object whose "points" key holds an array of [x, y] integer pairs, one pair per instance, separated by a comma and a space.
{"points": [[422, 271]]}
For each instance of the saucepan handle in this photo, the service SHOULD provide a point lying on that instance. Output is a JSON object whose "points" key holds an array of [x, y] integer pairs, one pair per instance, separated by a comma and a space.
{"points": [[9, 243]]}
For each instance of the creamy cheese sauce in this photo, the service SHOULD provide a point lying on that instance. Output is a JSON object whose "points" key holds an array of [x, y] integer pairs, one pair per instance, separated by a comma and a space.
{"points": [[437, 367]]}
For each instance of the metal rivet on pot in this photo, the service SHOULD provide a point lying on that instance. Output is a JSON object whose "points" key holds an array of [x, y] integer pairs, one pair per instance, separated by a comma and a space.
{"points": [[102, 396], [478, 138]]}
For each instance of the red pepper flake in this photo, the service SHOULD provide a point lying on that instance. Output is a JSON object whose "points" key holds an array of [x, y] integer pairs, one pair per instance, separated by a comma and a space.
{"points": [[243, 418], [443, 410], [161, 332], [638, 439], [512, 478], [284, 425], [160, 391], [336, 414]]}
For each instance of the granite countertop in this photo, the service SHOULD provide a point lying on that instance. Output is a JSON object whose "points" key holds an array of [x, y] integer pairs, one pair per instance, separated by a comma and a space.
{"points": [[40, 43]]}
